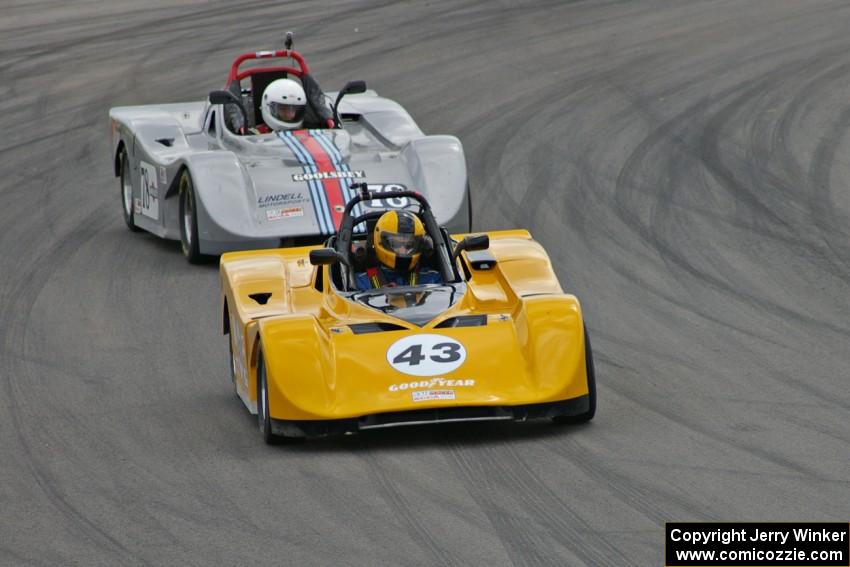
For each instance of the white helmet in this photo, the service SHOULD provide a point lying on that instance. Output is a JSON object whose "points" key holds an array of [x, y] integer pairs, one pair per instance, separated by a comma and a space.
{"points": [[284, 104]]}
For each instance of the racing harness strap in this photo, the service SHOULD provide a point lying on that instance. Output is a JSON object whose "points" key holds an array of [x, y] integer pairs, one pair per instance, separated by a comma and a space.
{"points": [[375, 277]]}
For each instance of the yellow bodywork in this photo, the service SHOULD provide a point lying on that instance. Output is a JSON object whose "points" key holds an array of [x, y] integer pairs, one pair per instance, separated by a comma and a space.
{"points": [[530, 351]]}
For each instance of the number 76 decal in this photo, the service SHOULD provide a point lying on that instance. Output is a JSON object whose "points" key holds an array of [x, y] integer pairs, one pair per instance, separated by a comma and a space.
{"points": [[426, 355]]}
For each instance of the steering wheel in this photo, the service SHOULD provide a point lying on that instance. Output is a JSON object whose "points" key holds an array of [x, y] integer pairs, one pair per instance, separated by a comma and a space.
{"points": [[368, 216]]}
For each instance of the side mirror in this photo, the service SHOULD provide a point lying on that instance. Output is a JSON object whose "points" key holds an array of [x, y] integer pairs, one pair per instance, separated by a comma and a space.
{"points": [[351, 87], [224, 97], [326, 257], [471, 243], [354, 87], [227, 97]]}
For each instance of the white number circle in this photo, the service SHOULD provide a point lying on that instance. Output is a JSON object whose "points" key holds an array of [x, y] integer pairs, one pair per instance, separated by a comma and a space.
{"points": [[426, 355]]}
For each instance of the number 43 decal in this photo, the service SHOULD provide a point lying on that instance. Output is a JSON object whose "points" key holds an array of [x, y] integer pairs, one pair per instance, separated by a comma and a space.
{"points": [[412, 355], [426, 355]]}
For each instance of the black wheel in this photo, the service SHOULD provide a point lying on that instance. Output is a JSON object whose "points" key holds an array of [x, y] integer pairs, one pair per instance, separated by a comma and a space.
{"points": [[232, 365], [126, 188], [591, 388], [263, 417], [189, 221]]}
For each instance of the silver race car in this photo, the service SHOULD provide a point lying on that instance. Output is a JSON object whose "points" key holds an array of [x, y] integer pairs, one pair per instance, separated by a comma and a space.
{"points": [[206, 174]]}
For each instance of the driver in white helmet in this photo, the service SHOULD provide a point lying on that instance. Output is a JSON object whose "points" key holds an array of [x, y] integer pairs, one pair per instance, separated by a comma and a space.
{"points": [[283, 106]]}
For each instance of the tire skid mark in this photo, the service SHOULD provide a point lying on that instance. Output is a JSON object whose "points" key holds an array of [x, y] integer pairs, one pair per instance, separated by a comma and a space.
{"points": [[407, 514], [597, 550], [705, 150], [775, 153], [711, 139], [171, 25], [649, 402], [781, 211], [205, 489], [711, 158], [507, 144], [752, 474], [502, 462], [160, 25], [32, 275], [803, 384], [754, 449], [9, 557], [824, 216], [15, 315], [654, 503], [811, 423], [524, 546]]}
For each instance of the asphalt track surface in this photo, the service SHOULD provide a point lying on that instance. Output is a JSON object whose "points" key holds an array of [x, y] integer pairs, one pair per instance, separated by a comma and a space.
{"points": [[685, 164]]}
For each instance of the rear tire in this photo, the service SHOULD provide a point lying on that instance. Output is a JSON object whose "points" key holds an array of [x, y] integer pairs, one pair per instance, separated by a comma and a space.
{"points": [[591, 388], [125, 186], [189, 221]]}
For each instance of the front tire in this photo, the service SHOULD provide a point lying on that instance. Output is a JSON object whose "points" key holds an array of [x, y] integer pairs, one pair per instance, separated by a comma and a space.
{"points": [[263, 418], [232, 366], [126, 189], [189, 241], [591, 388]]}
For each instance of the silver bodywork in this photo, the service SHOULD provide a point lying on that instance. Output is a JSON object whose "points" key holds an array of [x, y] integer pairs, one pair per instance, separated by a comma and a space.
{"points": [[250, 191]]}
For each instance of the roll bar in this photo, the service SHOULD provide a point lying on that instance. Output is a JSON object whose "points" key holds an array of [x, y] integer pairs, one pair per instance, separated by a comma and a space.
{"points": [[236, 75]]}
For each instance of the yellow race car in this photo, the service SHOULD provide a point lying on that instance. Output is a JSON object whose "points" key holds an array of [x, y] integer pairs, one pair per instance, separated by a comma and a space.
{"points": [[496, 339]]}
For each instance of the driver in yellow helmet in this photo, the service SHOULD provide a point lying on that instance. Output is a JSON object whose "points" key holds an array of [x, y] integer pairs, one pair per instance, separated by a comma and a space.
{"points": [[399, 239]]}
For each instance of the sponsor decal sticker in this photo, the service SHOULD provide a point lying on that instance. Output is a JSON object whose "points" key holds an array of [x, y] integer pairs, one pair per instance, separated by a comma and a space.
{"points": [[432, 383], [163, 176], [281, 199], [339, 208], [137, 206], [279, 214], [426, 355], [429, 395], [319, 175], [150, 192]]}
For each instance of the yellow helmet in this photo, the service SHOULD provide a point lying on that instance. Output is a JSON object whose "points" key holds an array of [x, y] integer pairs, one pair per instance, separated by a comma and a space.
{"points": [[398, 239]]}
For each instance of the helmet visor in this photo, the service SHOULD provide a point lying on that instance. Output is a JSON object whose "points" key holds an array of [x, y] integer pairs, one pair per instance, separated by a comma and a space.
{"points": [[403, 245], [287, 112]]}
